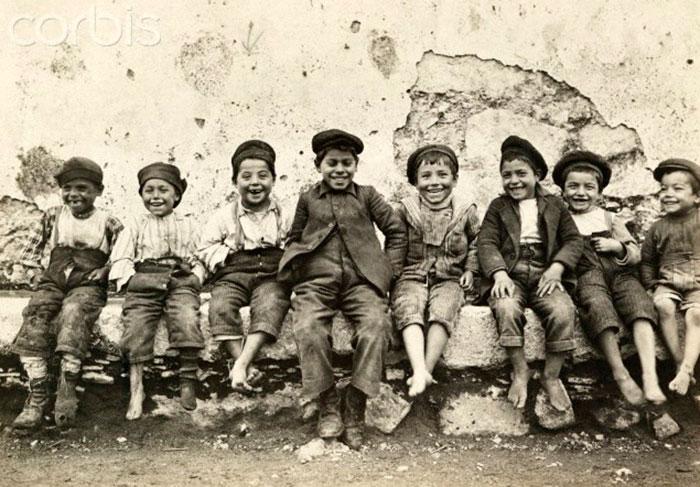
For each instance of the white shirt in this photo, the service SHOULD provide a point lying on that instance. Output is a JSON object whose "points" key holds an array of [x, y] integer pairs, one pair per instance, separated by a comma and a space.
{"points": [[529, 233]]}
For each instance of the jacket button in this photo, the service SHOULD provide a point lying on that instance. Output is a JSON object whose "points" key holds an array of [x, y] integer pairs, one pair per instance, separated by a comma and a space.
{"points": [[330, 225], [309, 247]]}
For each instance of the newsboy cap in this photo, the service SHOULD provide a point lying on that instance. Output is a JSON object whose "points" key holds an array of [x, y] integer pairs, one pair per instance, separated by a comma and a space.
{"points": [[79, 168], [584, 160], [415, 159], [677, 165], [253, 149], [166, 172], [333, 138], [521, 147]]}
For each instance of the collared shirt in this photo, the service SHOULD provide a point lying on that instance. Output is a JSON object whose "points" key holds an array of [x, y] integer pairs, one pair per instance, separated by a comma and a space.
{"points": [[58, 227], [529, 233], [234, 228], [153, 237], [598, 220]]}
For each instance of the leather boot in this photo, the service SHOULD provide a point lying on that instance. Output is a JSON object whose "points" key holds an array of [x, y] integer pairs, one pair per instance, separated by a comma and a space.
{"points": [[35, 406], [330, 421], [188, 398], [355, 402], [66, 399]]}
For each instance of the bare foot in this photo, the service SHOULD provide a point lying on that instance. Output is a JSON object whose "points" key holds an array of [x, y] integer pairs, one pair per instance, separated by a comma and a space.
{"points": [[652, 391], [239, 378], [418, 382], [517, 394], [136, 403], [557, 394], [680, 384], [630, 390]]}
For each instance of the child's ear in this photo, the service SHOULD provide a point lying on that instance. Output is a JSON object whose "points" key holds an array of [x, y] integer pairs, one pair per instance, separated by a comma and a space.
{"points": [[178, 197]]}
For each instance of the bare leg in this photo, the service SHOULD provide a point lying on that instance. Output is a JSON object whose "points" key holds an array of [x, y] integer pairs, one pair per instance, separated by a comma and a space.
{"points": [[669, 328], [684, 376], [437, 340], [607, 340], [551, 381], [233, 347], [242, 368], [517, 394], [137, 394], [646, 349], [414, 342]]}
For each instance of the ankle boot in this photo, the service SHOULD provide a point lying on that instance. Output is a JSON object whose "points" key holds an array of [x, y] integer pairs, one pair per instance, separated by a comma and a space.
{"points": [[188, 397], [66, 399], [330, 421], [355, 403], [35, 406]]}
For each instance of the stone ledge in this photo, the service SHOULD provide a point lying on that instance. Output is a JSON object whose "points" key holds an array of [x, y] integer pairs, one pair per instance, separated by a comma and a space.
{"points": [[474, 342]]}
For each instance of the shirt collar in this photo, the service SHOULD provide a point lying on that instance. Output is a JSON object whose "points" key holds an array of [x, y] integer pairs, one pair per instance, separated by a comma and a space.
{"points": [[323, 189], [241, 210]]}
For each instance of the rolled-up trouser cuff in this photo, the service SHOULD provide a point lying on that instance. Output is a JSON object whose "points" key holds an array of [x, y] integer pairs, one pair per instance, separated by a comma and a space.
{"points": [[560, 346], [369, 387], [271, 331], [511, 341]]}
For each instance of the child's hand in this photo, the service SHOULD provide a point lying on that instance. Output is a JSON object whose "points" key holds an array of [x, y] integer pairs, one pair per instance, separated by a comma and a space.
{"points": [[98, 274], [503, 285], [604, 245], [467, 280], [550, 280]]}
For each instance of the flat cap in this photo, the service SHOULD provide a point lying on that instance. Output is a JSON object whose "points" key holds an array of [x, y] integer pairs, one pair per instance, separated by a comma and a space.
{"points": [[166, 172], [253, 149], [333, 138], [415, 159], [521, 147], [585, 160], [677, 165], [79, 168]]}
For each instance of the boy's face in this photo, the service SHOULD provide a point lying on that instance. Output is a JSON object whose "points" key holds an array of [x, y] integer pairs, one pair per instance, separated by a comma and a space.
{"points": [[434, 181], [159, 197], [519, 179], [337, 169], [581, 191], [677, 196], [254, 183], [79, 195]]}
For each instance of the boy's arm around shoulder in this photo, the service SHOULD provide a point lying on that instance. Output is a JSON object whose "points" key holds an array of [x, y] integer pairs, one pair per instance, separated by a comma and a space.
{"points": [[393, 228], [569, 237], [489, 241], [649, 266]]}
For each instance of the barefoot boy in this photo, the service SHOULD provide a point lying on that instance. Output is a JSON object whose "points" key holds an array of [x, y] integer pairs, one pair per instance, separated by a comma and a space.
{"points": [[336, 263], [528, 243], [671, 263], [155, 257], [242, 246], [440, 260], [71, 291], [608, 291]]}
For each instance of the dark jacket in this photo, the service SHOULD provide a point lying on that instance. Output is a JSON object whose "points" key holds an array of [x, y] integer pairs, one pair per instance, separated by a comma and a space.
{"points": [[353, 214], [499, 240]]}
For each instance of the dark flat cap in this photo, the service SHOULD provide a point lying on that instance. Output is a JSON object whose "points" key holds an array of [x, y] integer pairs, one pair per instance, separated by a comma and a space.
{"points": [[521, 147], [677, 165], [333, 138], [79, 168], [415, 159], [166, 172], [581, 159], [253, 149]]}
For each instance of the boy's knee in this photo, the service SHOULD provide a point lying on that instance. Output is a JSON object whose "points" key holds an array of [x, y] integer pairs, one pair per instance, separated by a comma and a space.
{"points": [[692, 316], [563, 312], [665, 307]]}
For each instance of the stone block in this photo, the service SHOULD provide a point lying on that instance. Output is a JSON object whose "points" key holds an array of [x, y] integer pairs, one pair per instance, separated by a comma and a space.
{"points": [[474, 414], [386, 410]]}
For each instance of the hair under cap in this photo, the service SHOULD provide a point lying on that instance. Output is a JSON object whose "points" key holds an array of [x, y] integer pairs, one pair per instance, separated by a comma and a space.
{"points": [[580, 159], [670, 165], [253, 149], [416, 158], [516, 146], [166, 172], [79, 168]]}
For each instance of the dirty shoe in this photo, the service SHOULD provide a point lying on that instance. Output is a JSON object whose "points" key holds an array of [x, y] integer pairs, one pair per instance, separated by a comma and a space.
{"points": [[34, 407], [330, 422], [188, 399], [355, 402], [66, 399]]}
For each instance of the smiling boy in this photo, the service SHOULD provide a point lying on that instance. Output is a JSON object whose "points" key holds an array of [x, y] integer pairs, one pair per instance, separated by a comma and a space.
{"points": [[671, 264], [440, 260], [335, 263], [528, 246], [241, 246], [69, 294]]}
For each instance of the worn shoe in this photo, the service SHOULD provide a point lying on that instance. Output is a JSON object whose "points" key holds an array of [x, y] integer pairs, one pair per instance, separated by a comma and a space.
{"points": [[66, 400], [355, 402], [330, 421], [34, 407], [188, 398]]}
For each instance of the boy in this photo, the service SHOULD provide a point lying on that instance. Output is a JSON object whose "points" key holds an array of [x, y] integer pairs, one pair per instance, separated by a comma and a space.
{"points": [[155, 258], [242, 246], [440, 260], [671, 263], [335, 262], [70, 293], [608, 290], [528, 243]]}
